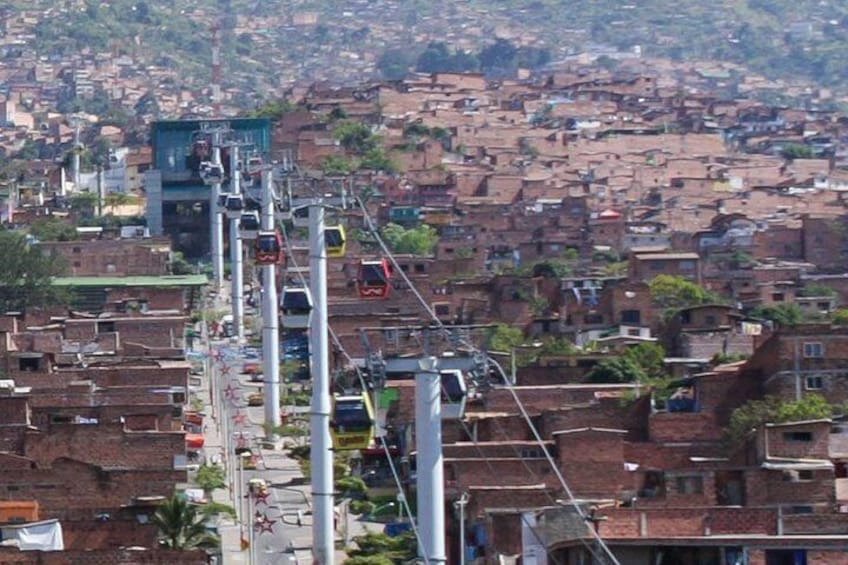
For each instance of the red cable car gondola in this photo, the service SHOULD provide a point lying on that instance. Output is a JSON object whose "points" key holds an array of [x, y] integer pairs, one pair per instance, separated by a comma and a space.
{"points": [[269, 248], [374, 278]]}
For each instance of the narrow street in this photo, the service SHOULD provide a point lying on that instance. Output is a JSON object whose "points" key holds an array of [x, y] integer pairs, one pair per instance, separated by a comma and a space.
{"points": [[277, 524]]}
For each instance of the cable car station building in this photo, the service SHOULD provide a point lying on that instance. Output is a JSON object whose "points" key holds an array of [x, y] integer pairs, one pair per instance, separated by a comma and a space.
{"points": [[177, 199]]}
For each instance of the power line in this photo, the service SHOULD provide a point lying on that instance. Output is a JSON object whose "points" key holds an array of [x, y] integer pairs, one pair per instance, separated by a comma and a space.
{"points": [[337, 342], [572, 500]]}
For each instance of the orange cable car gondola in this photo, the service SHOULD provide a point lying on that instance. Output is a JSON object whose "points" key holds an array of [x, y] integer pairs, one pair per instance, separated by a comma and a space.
{"points": [[268, 247], [374, 278]]}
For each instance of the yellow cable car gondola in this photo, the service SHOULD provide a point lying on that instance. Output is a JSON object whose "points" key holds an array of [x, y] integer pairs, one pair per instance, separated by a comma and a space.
{"points": [[335, 240], [352, 424]]}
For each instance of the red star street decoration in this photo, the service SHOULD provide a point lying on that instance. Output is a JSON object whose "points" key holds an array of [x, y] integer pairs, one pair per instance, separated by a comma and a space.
{"points": [[239, 418], [217, 355], [263, 524], [261, 496], [230, 392], [225, 370]]}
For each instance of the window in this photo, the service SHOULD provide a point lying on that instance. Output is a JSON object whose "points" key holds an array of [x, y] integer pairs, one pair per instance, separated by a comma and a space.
{"points": [[823, 305], [593, 319], [420, 268], [814, 383], [532, 453], [693, 484], [814, 349], [657, 265], [797, 436], [631, 316], [801, 509], [77, 250], [687, 265], [28, 363], [794, 476], [777, 296], [710, 320], [105, 327], [441, 309]]}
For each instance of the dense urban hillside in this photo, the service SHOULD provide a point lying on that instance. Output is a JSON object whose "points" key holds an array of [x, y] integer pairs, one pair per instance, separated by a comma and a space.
{"points": [[277, 42]]}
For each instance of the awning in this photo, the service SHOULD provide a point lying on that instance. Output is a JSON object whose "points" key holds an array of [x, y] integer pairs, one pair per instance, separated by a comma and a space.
{"points": [[798, 465], [194, 441]]}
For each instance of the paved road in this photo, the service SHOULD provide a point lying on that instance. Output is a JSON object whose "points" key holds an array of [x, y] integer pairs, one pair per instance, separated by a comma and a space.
{"points": [[282, 521]]}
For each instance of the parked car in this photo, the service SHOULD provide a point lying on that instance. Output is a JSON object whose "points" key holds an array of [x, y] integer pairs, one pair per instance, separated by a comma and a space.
{"points": [[256, 399], [251, 367]]}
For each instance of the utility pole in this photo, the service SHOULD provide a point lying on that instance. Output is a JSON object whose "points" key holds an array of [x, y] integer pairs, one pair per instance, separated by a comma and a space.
{"points": [[216, 217], [429, 414], [321, 456], [429, 464], [101, 190], [270, 321], [460, 505], [76, 121], [237, 271]]}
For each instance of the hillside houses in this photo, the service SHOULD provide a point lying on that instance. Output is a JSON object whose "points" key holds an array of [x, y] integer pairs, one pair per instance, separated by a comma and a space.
{"points": [[557, 205]]}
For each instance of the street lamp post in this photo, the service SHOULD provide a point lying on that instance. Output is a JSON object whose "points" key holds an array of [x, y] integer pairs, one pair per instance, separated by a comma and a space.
{"points": [[460, 505]]}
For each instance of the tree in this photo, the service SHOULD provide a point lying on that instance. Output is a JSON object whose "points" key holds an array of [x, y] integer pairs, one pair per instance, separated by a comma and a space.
{"points": [[84, 203], [273, 110], [671, 291], [500, 57], [434, 59], [416, 241], [355, 137], [27, 275], [376, 159], [505, 338], [211, 477], [179, 265], [387, 549], [650, 357], [394, 64], [787, 314], [840, 317], [52, 229], [337, 165], [770, 410], [182, 527], [617, 370], [115, 199]]}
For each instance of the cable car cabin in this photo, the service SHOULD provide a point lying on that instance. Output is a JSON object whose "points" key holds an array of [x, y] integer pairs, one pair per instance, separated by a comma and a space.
{"points": [[296, 306], [374, 279], [300, 217], [268, 248], [249, 225], [335, 241], [222, 203], [254, 166], [352, 423], [210, 173], [454, 394], [235, 206]]}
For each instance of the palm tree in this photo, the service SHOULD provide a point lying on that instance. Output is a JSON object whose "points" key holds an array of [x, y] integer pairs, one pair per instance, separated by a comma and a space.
{"points": [[182, 527]]}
